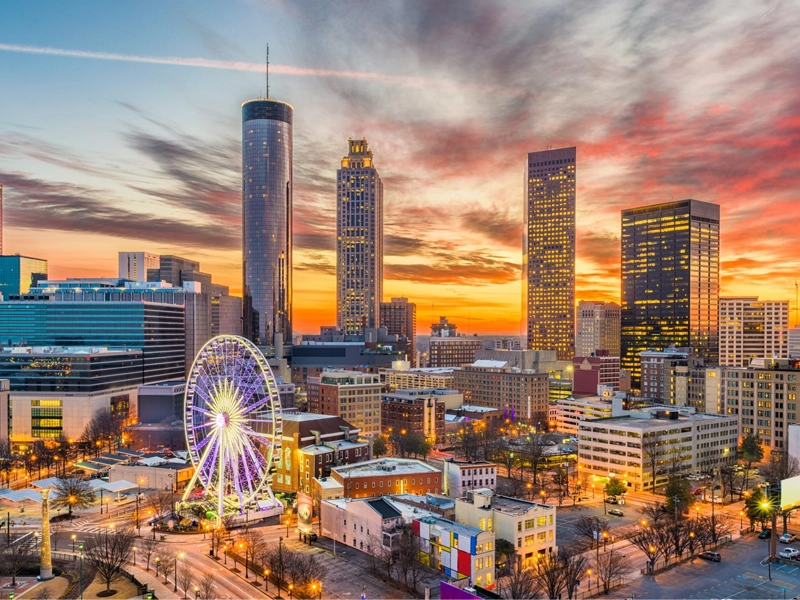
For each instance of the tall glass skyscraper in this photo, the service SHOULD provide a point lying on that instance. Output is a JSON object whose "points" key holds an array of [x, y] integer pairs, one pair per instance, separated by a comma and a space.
{"points": [[267, 224], [18, 274], [670, 280], [359, 241], [548, 258]]}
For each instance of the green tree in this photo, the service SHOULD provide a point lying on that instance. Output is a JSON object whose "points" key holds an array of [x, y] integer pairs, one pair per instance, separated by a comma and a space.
{"points": [[379, 447], [504, 552], [750, 451], [681, 490], [758, 508], [72, 494], [615, 487]]}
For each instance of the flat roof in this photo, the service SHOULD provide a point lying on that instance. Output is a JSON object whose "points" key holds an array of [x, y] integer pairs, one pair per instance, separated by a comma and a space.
{"points": [[458, 528], [376, 467]]}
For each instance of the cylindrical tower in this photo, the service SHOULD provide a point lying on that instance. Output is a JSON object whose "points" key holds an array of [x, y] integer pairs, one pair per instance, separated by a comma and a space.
{"points": [[267, 224], [46, 564]]}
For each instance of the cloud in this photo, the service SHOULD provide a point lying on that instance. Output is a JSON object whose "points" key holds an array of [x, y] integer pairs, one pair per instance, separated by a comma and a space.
{"points": [[467, 268]]}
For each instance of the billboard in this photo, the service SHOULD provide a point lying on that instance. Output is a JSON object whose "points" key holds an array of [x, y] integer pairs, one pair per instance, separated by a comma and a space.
{"points": [[790, 493], [304, 512]]}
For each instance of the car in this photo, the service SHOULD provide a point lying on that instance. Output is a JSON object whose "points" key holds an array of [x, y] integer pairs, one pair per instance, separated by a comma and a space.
{"points": [[612, 501], [712, 556], [765, 534], [789, 553], [121, 497], [80, 472], [312, 537], [697, 492], [787, 538], [616, 512]]}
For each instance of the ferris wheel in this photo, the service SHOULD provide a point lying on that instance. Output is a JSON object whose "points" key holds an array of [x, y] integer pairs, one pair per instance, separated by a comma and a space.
{"points": [[233, 425]]}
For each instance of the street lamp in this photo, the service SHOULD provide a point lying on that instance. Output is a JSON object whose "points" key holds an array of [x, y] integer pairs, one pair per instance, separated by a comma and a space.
{"points": [[291, 590], [134, 555], [280, 565], [158, 560], [74, 537], [80, 547], [266, 580], [741, 517], [288, 518], [225, 552], [589, 580], [244, 547], [175, 575]]}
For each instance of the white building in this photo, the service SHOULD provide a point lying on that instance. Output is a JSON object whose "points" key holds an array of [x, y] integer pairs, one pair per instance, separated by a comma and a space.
{"points": [[794, 342], [598, 328], [749, 328], [400, 378], [623, 446], [530, 526], [461, 476], [134, 265], [568, 413]]}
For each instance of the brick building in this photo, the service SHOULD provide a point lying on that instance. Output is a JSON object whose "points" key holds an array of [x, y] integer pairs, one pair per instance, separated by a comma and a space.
{"points": [[414, 410], [352, 395], [452, 351], [381, 477], [399, 317], [597, 369]]}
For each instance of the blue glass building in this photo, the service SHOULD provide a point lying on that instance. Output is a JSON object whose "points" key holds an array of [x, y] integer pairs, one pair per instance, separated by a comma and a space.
{"points": [[267, 224], [18, 274]]}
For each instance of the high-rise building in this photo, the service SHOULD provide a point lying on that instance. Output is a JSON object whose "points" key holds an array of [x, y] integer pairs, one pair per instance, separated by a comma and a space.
{"points": [[359, 240], [226, 312], [18, 274], [400, 318], [598, 328], [670, 280], [136, 265], [267, 224], [452, 351], [1, 220], [749, 328], [549, 251]]}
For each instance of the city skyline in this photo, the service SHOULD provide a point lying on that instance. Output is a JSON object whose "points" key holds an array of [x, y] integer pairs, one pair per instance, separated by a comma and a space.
{"points": [[145, 152]]}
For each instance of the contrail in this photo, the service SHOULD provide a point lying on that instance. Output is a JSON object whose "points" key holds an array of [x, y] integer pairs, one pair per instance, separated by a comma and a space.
{"points": [[207, 63]]}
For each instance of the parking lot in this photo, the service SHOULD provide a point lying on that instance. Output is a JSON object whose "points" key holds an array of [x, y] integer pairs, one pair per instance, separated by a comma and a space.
{"points": [[568, 537]]}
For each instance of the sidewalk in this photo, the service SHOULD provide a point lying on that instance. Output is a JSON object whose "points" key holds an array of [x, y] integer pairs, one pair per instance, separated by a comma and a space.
{"points": [[156, 585]]}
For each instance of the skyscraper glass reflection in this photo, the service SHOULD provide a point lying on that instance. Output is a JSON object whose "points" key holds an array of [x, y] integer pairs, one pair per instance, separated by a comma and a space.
{"points": [[670, 280], [267, 224]]}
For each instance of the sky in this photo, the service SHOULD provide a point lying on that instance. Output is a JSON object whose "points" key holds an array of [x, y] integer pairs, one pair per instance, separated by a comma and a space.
{"points": [[120, 130]]}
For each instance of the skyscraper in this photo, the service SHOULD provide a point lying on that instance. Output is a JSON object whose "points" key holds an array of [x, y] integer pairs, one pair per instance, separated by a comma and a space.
{"points": [[359, 241], [749, 328], [267, 224], [1, 220], [598, 328], [670, 280], [400, 318], [135, 265], [548, 258]]}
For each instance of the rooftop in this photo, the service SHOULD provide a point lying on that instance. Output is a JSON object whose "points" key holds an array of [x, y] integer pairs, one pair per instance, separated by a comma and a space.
{"points": [[492, 364], [449, 525], [384, 508], [385, 466]]}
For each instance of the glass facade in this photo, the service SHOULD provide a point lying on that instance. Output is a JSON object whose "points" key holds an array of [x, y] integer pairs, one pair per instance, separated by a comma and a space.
{"points": [[670, 281], [267, 224], [19, 273], [548, 259], [359, 241], [155, 329]]}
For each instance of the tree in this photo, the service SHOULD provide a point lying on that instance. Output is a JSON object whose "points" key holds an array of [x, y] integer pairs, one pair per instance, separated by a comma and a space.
{"points": [[7, 459], [591, 527], [205, 589], [573, 567], [16, 554], [148, 549], [648, 540], [549, 575], [759, 508], [731, 480], [678, 490], [108, 552], [507, 457], [252, 543], [160, 502], [534, 451], [185, 577], [654, 512], [780, 466], [611, 567], [520, 585], [560, 478], [407, 561], [56, 533], [467, 442], [166, 561], [615, 487], [379, 447], [750, 451], [504, 553], [72, 494], [652, 451]]}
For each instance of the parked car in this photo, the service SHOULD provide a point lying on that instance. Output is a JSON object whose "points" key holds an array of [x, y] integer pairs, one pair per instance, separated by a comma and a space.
{"points": [[698, 491], [616, 512], [121, 497], [789, 553], [712, 556], [765, 534], [787, 538], [612, 501]]}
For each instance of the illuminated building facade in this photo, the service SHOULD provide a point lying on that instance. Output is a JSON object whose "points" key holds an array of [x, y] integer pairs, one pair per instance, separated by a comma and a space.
{"points": [[351, 395], [135, 265], [18, 274], [670, 281], [267, 224], [359, 241], [749, 328], [598, 328], [1, 220], [549, 251], [400, 318]]}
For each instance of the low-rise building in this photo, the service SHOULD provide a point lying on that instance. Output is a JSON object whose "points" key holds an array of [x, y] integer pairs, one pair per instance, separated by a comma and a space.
{"points": [[594, 370], [154, 473], [385, 476], [530, 526], [452, 351], [402, 377], [459, 551], [461, 476], [676, 440], [567, 414], [421, 411]]}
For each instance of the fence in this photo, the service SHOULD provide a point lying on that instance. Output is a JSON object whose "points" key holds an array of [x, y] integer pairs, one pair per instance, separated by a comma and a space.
{"points": [[141, 587]]}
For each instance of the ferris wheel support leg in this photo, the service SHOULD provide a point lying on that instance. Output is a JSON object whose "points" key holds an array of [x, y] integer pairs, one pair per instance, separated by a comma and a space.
{"points": [[221, 490]]}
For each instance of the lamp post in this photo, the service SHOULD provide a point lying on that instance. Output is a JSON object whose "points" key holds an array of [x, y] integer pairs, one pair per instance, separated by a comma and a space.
{"points": [[134, 555], [280, 565], [588, 579], [158, 560], [266, 580], [81, 582], [288, 518], [291, 590], [225, 552], [175, 575], [741, 517], [244, 548], [74, 537]]}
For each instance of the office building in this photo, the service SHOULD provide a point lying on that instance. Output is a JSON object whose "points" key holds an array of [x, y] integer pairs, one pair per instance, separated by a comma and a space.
{"points": [[420, 411], [763, 397], [351, 395], [161, 402], [658, 370], [18, 274], [752, 328], [521, 395], [359, 241], [452, 351], [594, 370], [399, 317], [226, 312], [157, 328], [460, 476], [175, 270], [402, 377], [135, 266], [444, 328], [1, 220], [529, 526], [55, 391], [459, 551], [679, 441], [5, 390], [670, 281], [598, 328], [386, 476], [793, 347], [267, 224], [548, 258], [505, 343], [566, 414]]}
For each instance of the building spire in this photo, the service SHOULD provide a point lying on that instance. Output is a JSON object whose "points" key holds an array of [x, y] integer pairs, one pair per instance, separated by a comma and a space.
{"points": [[267, 70]]}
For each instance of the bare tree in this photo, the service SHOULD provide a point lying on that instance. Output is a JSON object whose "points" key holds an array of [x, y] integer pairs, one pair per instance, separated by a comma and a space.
{"points": [[573, 568], [56, 533], [108, 552], [407, 564], [653, 447], [148, 549], [205, 589], [17, 554], [7, 459], [534, 451], [185, 577], [549, 575], [654, 512], [591, 527], [252, 541], [610, 568], [160, 502], [520, 585], [507, 456], [166, 561], [560, 478], [649, 542]]}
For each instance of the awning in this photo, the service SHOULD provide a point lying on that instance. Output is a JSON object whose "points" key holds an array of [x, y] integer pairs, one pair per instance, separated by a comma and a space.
{"points": [[23, 496], [90, 466], [46, 483]]}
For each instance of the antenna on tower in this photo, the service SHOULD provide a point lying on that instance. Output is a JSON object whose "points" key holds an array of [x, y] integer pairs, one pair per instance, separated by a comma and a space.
{"points": [[796, 305], [267, 70]]}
